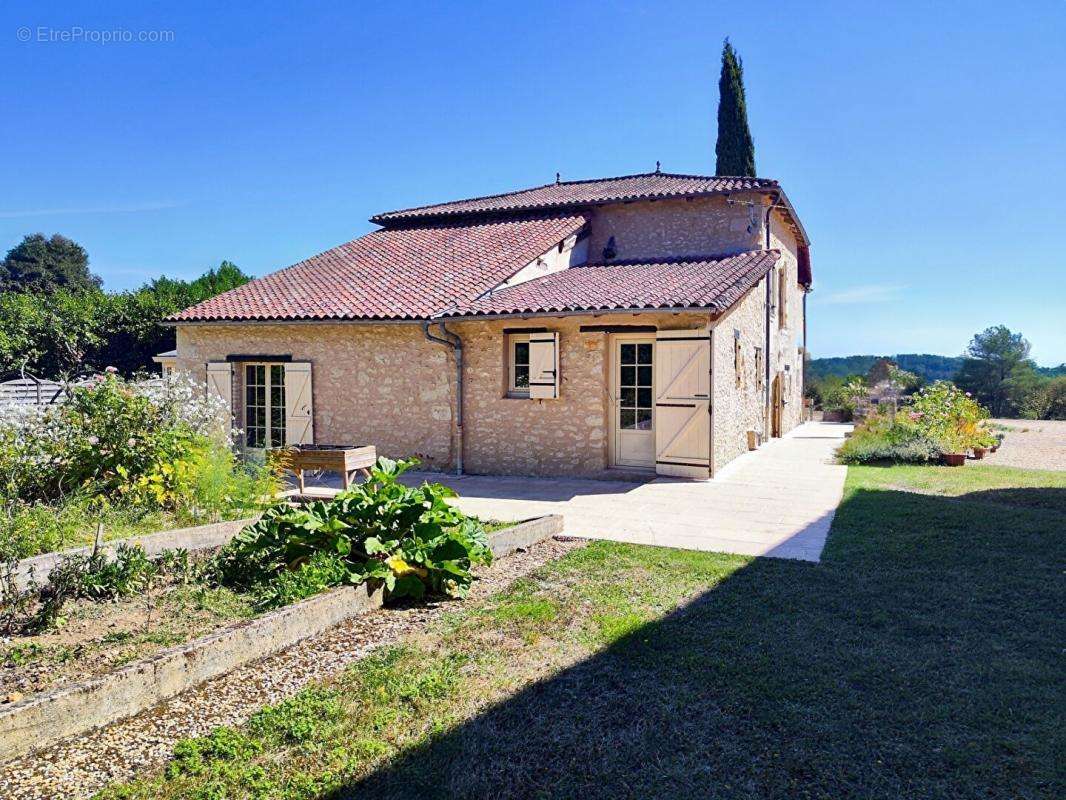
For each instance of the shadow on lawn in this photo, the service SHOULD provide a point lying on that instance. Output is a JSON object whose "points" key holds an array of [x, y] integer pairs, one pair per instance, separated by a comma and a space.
{"points": [[922, 658]]}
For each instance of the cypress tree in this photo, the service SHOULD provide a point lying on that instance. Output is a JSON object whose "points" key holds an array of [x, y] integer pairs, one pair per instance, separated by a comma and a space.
{"points": [[735, 149]]}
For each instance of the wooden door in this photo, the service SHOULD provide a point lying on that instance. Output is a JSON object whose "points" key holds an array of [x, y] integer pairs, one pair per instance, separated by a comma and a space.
{"points": [[777, 405], [682, 403]]}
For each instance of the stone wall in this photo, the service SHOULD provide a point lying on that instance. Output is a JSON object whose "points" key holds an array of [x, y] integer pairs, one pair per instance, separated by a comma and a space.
{"points": [[701, 226], [380, 384], [566, 436], [737, 409], [786, 341]]}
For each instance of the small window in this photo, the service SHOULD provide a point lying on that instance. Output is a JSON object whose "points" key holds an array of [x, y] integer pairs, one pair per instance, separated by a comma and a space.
{"points": [[518, 365], [738, 359], [782, 298], [760, 370]]}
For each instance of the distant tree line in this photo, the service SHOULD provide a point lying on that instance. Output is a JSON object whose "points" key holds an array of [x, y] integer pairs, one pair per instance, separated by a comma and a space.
{"points": [[56, 321], [996, 369]]}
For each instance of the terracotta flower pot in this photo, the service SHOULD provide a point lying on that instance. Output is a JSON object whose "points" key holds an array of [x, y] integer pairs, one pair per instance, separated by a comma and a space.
{"points": [[979, 452], [953, 459]]}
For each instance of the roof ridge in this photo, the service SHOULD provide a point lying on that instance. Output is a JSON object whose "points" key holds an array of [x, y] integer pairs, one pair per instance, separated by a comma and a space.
{"points": [[685, 259], [401, 212]]}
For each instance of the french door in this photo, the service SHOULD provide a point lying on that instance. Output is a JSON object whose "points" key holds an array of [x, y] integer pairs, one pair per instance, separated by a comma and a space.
{"points": [[633, 401], [264, 407]]}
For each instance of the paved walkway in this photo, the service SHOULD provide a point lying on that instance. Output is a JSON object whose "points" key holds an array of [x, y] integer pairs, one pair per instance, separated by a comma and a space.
{"points": [[776, 501]]}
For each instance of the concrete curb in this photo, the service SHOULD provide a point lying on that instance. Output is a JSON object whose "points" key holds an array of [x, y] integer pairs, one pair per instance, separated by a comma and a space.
{"points": [[524, 534], [43, 719], [200, 537]]}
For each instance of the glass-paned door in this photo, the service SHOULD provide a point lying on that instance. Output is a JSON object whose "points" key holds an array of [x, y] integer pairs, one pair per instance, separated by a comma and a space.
{"points": [[634, 393], [264, 412]]}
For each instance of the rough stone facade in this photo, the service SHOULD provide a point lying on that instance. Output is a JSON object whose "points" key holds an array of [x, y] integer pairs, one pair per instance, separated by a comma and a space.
{"points": [[376, 384], [787, 339], [701, 226], [384, 384], [737, 401], [566, 436]]}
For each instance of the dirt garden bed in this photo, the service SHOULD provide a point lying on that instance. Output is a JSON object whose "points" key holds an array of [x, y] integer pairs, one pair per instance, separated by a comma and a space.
{"points": [[98, 662], [92, 638]]}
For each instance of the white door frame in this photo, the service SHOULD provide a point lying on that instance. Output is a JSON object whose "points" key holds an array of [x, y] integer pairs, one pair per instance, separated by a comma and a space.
{"points": [[615, 340]]}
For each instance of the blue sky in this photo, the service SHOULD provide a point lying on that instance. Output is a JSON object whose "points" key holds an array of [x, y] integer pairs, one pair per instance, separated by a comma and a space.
{"points": [[922, 143]]}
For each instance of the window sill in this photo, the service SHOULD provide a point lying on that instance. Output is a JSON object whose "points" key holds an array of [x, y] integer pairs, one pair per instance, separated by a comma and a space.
{"points": [[516, 396]]}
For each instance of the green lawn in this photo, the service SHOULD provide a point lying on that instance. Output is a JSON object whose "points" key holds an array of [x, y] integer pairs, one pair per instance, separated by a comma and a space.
{"points": [[923, 658]]}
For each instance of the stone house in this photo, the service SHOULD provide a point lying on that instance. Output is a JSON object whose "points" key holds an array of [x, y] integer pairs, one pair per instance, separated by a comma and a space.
{"points": [[644, 324]]}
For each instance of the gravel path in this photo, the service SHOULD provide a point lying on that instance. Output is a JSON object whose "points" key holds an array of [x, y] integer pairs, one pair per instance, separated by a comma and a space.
{"points": [[79, 767], [1031, 444]]}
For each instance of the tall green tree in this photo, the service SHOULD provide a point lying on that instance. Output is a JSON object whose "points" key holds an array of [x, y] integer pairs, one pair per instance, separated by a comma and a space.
{"points": [[997, 371], [68, 333], [735, 149], [39, 264]]}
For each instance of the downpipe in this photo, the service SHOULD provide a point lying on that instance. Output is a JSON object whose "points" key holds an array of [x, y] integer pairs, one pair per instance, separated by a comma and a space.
{"points": [[452, 340], [770, 276]]}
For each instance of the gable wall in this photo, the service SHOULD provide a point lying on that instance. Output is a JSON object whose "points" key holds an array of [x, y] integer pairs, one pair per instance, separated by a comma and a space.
{"points": [[701, 226]]}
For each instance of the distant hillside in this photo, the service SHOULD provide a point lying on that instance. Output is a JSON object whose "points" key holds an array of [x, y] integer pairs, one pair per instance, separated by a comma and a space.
{"points": [[925, 365]]}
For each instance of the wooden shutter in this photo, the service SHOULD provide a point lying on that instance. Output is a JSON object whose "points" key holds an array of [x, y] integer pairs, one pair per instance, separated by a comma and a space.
{"points": [[544, 366], [220, 383], [682, 403], [299, 408]]}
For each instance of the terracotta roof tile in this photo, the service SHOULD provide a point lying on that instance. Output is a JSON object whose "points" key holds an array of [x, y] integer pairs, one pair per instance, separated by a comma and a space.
{"points": [[407, 273], [571, 194], [712, 282]]}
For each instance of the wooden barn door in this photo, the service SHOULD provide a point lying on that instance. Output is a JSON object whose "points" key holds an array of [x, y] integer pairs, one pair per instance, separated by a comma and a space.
{"points": [[682, 403]]}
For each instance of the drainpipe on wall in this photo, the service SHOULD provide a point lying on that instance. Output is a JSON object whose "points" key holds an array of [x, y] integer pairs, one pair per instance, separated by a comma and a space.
{"points": [[453, 341], [770, 276]]}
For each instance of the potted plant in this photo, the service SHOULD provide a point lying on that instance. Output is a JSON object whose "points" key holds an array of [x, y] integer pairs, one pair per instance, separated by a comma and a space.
{"points": [[953, 446]]}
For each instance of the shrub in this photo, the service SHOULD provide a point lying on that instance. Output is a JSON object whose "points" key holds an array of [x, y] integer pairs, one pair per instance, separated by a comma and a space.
{"points": [[409, 539], [117, 451], [951, 417], [866, 448], [886, 438], [940, 419]]}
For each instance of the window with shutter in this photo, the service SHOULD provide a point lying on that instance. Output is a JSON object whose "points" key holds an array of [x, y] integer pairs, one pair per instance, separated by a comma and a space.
{"points": [[544, 366], [518, 364]]}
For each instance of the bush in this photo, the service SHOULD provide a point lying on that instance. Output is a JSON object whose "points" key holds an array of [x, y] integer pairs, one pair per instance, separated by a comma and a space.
{"points": [[951, 418], [940, 419], [409, 539], [884, 438], [117, 452], [867, 448]]}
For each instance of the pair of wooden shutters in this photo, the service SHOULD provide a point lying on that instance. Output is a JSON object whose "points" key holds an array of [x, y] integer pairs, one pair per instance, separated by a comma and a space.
{"points": [[544, 366], [683, 403], [299, 407]]}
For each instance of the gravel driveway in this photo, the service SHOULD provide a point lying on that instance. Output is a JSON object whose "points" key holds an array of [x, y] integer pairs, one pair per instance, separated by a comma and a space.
{"points": [[1031, 444]]}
